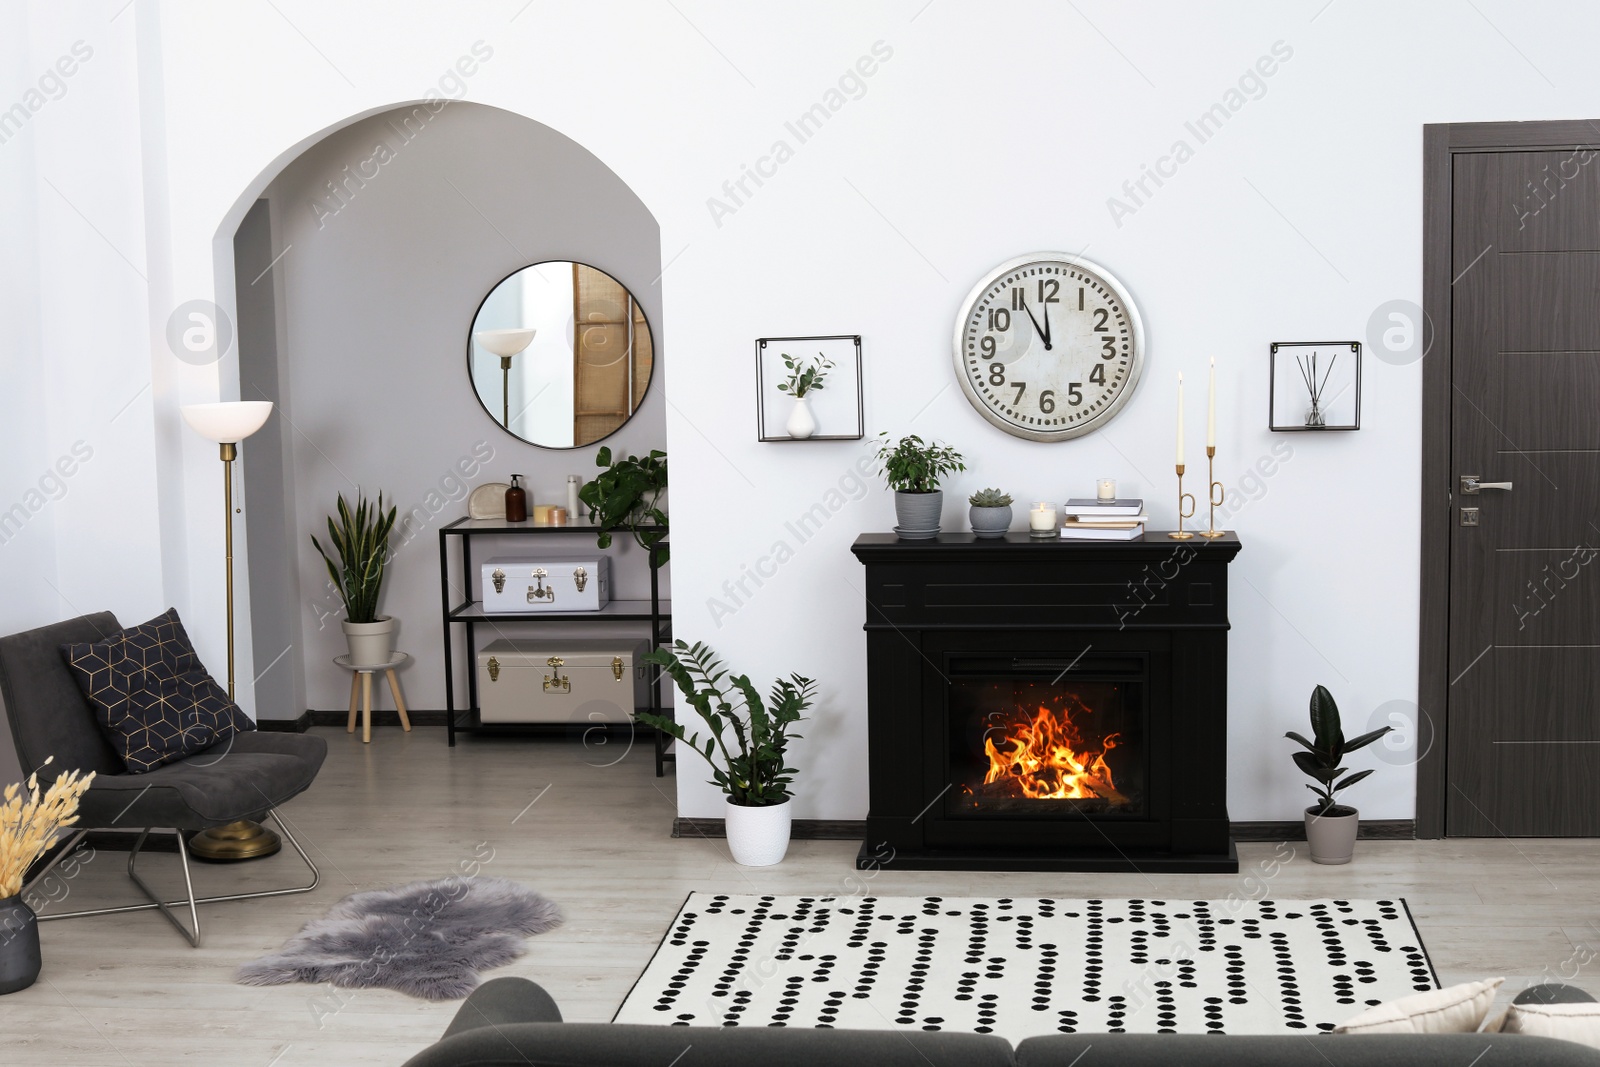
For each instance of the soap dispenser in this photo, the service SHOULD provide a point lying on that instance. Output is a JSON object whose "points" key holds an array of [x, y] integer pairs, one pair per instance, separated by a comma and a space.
{"points": [[516, 501]]}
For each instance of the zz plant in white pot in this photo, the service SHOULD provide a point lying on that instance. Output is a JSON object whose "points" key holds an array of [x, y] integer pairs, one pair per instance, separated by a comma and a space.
{"points": [[747, 746], [361, 541]]}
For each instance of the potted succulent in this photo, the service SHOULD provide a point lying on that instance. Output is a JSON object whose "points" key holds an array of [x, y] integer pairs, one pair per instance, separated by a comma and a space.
{"points": [[361, 541], [805, 378], [628, 495], [913, 468], [1330, 826], [746, 747], [990, 513], [28, 827]]}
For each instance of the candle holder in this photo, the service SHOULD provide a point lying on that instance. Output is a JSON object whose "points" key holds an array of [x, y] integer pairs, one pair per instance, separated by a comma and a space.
{"points": [[1216, 495], [1180, 534]]}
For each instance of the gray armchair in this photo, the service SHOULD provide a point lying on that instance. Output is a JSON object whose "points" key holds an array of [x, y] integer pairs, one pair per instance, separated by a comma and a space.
{"points": [[245, 777]]}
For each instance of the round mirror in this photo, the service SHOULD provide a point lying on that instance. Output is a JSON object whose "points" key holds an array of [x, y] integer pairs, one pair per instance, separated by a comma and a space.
{"points": [[560, 354]]}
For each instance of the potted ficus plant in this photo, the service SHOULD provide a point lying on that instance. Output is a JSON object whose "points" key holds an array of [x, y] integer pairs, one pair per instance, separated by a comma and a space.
{"points": [[747, 745], [913, 468], [1330, 826], [627, 495], [361, 541], [989, 512], [805, 377]]}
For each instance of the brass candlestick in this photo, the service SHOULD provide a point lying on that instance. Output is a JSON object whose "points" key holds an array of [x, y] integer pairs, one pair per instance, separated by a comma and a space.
{"points": [[1180, 534], [1217, 494]]}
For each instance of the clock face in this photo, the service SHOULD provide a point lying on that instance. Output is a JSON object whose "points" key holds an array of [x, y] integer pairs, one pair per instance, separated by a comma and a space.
{"points": [[1048, 346]]}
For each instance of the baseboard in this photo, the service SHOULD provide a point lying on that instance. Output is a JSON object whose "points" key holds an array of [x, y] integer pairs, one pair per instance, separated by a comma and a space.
{"points": [[285, 726], [380, 716], [855, 829], [1371, 830]]}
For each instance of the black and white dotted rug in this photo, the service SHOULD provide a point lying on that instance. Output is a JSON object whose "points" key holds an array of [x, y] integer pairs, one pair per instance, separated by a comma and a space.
{"points": [[1021, 966]]}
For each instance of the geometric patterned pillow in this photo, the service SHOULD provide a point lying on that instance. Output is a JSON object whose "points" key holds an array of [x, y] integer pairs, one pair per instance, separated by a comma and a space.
{"points": [[153, 698]]}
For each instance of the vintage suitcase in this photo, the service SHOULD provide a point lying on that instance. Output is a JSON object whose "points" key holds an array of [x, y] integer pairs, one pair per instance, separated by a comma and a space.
{"points": [[545, 583], [569, 681]]}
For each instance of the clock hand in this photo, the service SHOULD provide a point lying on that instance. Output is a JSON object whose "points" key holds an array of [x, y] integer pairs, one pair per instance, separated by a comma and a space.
{"points": [[1043, 335], [1047, 327]]}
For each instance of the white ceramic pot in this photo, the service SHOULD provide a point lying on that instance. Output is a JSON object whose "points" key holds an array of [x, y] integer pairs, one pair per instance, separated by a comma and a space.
{"points": [[1332, 837], [370, 642], [757, 837], [802, 423]]}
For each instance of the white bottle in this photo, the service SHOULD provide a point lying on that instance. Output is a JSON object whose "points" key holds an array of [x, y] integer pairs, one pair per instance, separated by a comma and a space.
{"points": [[574, 515]]}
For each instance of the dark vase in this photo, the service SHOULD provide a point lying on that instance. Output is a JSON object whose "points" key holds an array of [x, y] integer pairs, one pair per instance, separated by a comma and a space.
{"points": [[19, 945]]}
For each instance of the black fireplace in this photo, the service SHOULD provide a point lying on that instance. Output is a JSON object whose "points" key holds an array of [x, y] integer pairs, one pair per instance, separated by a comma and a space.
{"points": [[1047, 706]]}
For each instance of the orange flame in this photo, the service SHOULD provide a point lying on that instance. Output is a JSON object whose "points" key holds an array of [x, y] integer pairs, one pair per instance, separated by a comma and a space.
{"points": [[1045, 759]]}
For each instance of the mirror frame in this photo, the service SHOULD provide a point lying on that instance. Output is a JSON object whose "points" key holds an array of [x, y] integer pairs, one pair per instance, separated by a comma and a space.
{"points": [[655, 356]]}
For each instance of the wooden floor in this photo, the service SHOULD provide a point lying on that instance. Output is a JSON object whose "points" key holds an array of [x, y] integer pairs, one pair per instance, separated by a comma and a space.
{"points": [[591, 830]]}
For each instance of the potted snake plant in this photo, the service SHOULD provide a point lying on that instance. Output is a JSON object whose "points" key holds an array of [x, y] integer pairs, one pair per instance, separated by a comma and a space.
{"points": [[360, 539], [1331, 827], [747, 744]]}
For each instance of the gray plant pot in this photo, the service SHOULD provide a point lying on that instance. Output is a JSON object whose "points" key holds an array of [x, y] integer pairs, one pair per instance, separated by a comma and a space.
{"points": [[989, 522], [918, 513], [1332, 837]]}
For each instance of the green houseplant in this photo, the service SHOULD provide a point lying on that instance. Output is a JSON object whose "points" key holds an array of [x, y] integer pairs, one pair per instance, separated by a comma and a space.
{"points": [[627, 495], [914, 468], [1330, 826], [989, 512], [360, 539], [805, 377], [746, 743]]}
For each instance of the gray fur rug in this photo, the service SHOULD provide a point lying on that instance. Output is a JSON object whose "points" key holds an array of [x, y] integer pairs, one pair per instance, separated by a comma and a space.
{"points": [[427, 939]]}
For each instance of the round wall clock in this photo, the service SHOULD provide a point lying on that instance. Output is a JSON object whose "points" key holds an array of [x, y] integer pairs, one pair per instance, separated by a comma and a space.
{"points": [[1048, 346]]}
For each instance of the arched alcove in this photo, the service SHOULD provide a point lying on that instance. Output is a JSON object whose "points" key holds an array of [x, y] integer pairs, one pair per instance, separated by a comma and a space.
{"points": [[357, 270]]}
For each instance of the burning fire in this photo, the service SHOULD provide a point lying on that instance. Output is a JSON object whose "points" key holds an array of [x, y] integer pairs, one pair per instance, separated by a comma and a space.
{"points": [[1045, 758]]}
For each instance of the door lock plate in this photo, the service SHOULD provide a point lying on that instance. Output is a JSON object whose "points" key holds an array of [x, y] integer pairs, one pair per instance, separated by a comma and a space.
{"points": [[1469, 516]]}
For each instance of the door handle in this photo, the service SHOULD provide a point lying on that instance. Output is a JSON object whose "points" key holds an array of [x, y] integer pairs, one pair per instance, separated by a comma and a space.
{"points": [[1471, 486]]}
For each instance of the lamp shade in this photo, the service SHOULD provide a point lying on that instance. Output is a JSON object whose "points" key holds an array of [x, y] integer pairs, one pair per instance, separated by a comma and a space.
{"points": [[505, 342], [229, 421]]}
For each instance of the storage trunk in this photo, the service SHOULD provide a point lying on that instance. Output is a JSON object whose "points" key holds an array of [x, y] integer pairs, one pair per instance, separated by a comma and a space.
{"points": [[578, 682], [528, 584]]}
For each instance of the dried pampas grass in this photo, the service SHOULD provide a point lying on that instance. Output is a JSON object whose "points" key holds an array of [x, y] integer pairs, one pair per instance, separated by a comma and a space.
{"points": [[29, 823]]}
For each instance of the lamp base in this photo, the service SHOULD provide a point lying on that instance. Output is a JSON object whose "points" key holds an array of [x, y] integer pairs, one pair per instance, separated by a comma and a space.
{"points": [[242, 840]]}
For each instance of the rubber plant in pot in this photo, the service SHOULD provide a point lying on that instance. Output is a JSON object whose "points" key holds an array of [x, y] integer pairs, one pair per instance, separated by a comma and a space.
{"points": [[805, 378], [29, 824], [914, 468], [747, 744], [628, 495], [361, 541], [989, 512], [1330, 826]]}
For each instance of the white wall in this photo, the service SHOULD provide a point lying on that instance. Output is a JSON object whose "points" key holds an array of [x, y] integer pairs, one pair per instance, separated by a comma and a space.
{"points": [[985, 133]]}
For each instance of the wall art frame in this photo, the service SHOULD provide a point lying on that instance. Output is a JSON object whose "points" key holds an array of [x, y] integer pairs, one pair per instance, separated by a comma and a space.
{"points": [[1314, 386], [840, 404]]}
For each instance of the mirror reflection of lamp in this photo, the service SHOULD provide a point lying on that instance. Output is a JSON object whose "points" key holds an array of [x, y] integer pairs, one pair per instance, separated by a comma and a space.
{"points": [[505, 344]]}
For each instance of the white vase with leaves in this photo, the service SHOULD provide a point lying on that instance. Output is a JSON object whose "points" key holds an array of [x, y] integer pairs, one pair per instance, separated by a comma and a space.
{"points": [[805, 377]]}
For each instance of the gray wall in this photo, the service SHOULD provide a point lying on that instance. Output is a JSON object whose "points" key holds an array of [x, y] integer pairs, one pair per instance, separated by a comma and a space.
{"points": [[390, 233]]}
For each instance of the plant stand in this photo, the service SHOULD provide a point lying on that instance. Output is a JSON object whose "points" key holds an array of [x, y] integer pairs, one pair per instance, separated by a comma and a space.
{"points": [[361, 683]]}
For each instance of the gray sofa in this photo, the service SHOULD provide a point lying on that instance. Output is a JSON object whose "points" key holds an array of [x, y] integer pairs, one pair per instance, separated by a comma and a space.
{"points": [[511, 1021]]}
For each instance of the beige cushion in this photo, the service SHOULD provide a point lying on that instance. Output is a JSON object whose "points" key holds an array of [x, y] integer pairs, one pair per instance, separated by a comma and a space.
{"points": [[1458, 1010], [1569, 1022]]}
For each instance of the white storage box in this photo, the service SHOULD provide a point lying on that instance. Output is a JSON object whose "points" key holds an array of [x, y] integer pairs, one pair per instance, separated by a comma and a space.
{"points": [[578, 682], [544, 583]]}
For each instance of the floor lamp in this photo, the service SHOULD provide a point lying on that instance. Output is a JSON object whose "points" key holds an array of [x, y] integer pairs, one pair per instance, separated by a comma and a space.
{"points": [[505, 344], [227, 424]]}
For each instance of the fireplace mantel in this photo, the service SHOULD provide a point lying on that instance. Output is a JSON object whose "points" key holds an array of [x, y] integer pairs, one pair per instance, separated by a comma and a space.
{"points": [[934, 608]]}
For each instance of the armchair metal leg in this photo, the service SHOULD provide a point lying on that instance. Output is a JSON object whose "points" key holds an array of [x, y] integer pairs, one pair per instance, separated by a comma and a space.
{"points": [[192, 901]]}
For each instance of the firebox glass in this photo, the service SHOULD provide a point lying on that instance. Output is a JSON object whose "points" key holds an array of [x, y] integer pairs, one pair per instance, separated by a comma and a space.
{"points": [[1039, 746]]}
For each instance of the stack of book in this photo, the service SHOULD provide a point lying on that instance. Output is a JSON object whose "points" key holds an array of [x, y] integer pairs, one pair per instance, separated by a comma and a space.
{"points": [[1104, 520]]}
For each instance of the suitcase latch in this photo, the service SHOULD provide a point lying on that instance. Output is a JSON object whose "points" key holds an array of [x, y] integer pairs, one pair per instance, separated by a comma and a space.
{"points": [[616, 667], [556, 682], [499, 577], [580, 578], [494, 669], [539, 592]]}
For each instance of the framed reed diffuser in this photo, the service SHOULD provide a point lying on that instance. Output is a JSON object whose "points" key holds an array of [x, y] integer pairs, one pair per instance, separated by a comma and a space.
{"points": [[1314, 385]]}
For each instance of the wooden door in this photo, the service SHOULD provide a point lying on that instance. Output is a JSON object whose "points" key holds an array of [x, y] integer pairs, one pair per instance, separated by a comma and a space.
{"points": [[1523, 729]]}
